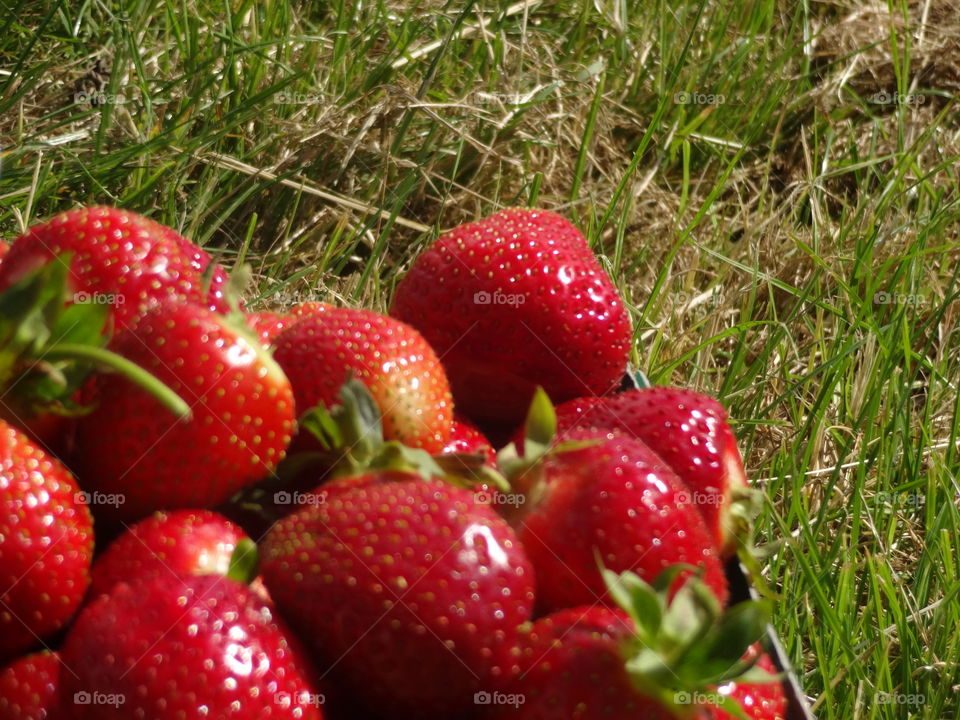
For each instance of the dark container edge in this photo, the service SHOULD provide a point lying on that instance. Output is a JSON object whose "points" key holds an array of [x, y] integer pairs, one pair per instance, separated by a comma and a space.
{"points": [[740, 590]]}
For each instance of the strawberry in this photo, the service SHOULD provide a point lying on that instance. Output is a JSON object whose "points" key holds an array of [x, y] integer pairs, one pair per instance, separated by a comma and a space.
{"points": [[119, 258], [181, 542], [49, 348], [29, 688], [646, 658], [242, 416], [4, 249], [46, 544], [267, 325], [606, 497], [465, 437], [760, 701], [690, 432], [515, 301], [406, 588], [572, 668], [329, 344], [188, 648]]}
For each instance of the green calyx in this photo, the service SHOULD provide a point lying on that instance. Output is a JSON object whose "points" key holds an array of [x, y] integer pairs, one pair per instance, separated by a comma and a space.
{"points": [[351, 435], [49, 346], [525, 474], [689, 644], [244, 562]]}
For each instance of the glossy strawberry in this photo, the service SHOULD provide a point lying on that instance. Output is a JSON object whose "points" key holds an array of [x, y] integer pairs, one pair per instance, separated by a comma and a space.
{"points": [[267, 325], [119, 258], [570, 666], [465, 437], [29, 688], [515, 301], [690, 432], [242, 416], [46, 544], [655, 654], [407, 590], [181, 542], [328, 345], [613, 500], [187, 648], [760, 701]]}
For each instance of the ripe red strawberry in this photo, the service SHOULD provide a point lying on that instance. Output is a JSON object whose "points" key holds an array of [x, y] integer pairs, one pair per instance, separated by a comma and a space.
{"points": [[120, 258], [615, 500], [515, 301], [570, 666], [46, 544], [406, 588], [29, 688], [242, 421], [4, 249], [267, 325], [190, 648], [690, 432], [646, 657], [465, 437], [182, 542], [400, 369], [760, 701]]}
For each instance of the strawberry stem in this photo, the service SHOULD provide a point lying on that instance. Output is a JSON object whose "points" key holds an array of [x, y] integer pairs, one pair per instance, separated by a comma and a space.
{"points": [[133, 372]]}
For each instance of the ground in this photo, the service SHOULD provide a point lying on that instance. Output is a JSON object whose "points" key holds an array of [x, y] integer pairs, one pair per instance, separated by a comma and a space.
{"points": [[774, 187]]}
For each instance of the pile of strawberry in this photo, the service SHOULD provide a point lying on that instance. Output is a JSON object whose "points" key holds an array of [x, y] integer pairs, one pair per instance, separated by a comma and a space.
{"points": [[207, 513]]}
